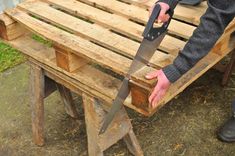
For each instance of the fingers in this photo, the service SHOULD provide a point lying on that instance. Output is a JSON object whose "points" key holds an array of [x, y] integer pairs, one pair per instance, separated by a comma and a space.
{"points": [[163, 17], [157, 98], [152, 75], [154, 93], [160, 89]]}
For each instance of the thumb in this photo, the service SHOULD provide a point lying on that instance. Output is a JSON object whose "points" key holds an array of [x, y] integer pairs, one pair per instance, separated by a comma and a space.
{"points": [[152, 75]]}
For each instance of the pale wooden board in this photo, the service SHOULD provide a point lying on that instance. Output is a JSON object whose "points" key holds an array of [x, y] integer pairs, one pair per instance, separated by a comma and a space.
{"points": [[140, 15], [6, 19], [190, 14], [93, 32], [10, 29], [113, 21], [77, 45]]}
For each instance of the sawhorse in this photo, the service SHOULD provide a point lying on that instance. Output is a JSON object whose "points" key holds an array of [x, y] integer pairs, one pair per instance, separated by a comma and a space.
{"points": [[43, 83]]}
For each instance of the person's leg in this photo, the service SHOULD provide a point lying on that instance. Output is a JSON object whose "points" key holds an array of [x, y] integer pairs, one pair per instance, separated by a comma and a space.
{"points": [[227, 131]]}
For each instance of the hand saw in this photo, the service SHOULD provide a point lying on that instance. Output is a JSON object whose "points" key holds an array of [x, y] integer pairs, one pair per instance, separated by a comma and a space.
{"points": [[152, 37]]}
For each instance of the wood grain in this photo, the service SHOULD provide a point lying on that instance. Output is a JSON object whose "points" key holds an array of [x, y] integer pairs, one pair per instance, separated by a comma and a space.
{"points": [[37, 103], [10, 29]]}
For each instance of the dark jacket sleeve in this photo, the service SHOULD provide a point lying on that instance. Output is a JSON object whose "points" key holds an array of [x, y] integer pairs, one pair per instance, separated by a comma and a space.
{"points": [[171, 3], [212, 25]]}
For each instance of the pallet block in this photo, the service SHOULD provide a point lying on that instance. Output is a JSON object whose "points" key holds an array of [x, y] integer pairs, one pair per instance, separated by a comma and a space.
{"points": [[67, 60], [10, 29]]}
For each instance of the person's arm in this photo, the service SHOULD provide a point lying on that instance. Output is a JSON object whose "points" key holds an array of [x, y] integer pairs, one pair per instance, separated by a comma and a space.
{"points": [[211, 27], [213, 23]]}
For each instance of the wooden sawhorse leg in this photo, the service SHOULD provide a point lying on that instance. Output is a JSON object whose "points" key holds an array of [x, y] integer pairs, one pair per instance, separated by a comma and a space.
{"points": [[37, 86], [67, 99], [40, 88], [229, 69], [120, 128]]}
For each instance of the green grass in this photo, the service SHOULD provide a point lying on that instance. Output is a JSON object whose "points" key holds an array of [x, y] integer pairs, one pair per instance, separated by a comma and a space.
{"points": [[41, 40], [9, 57]]}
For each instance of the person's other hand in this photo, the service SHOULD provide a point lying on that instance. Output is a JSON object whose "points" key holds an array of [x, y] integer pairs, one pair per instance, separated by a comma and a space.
{"points": [[161, 87], [163, 17]]}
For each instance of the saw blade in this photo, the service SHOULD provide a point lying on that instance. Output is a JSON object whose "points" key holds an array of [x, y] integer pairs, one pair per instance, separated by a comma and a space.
{"points": [[141, 59]]}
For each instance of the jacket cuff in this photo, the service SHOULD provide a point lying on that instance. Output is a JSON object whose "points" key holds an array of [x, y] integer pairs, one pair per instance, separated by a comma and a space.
{"points": [[171, 73]]}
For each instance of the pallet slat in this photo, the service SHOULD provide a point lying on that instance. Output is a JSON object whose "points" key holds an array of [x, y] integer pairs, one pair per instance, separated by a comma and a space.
{"points": [[113, 22], [140, 15], [190, 14], [92, 32], [77, 45]]}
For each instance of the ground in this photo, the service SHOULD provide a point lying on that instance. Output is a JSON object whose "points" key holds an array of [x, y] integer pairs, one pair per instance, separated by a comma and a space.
{"points": [[9, 57], [185, 126]]}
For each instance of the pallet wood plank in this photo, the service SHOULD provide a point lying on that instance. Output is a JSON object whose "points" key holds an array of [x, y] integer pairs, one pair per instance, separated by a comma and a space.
{"points": [[6, 19], [77, 45], [10, 29], [113, 22], [140, 15], [93, 32], [190, 14], [185, 12]]}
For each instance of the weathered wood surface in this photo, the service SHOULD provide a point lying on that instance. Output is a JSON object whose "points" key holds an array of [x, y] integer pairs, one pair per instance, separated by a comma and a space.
{"points": [[67, 99], [109, 34], [119, 128], [189, 14], [37, 105], [67, 60], [10, 29]]}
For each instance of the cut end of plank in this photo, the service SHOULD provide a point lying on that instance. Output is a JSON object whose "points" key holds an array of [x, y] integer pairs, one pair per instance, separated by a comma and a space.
{"points": [[10, 29]]}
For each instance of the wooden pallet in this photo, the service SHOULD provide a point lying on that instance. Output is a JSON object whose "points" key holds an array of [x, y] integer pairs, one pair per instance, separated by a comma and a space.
{"points": [[107, 33]]}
